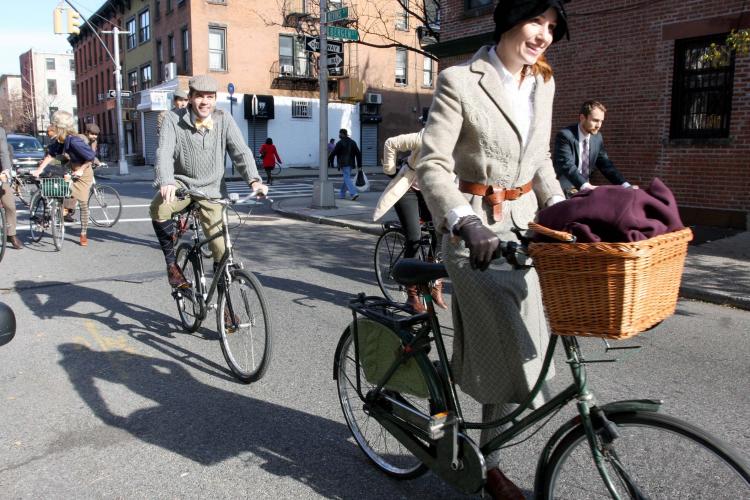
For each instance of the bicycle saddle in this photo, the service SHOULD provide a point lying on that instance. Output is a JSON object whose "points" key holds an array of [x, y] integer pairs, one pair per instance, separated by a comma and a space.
{"points": [[417, 272]]}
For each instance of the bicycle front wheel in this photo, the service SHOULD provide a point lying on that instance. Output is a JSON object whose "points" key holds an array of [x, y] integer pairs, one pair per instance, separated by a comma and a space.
{"points": [[58, 224], [388, 250], [379, 445], [190, 306], [105, 206], [37, 217], [244, 326], [656, 456]]}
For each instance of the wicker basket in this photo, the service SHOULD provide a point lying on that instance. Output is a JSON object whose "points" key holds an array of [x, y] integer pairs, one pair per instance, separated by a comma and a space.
{"points": [[612, 290], [55, 187]]}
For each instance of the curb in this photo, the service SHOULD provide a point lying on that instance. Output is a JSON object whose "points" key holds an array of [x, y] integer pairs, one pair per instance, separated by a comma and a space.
{"points": [[376, 231]]}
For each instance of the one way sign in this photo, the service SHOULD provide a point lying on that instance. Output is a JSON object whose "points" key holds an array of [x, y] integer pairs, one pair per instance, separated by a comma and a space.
{"points": [[312, 44]]}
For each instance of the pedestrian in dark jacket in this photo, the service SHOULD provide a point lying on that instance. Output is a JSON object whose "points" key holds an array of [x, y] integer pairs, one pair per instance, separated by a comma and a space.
{"points": [[347, 155]]}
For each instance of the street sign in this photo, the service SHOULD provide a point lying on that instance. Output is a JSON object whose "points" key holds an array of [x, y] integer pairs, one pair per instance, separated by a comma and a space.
{"points": [[312, 44], [113, 93], [334, 61], [230, 88], [337, 15], [342, 33]]}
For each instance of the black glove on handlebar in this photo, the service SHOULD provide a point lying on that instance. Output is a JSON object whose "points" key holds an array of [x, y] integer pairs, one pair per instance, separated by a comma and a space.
{"points": [[480, 241]]}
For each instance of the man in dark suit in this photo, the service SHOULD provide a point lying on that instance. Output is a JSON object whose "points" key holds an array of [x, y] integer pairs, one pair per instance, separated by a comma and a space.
{"points": [[579, 149]]}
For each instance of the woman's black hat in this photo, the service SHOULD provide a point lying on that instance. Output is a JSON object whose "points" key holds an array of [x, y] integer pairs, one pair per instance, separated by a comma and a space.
{"points": [[508, 13]]}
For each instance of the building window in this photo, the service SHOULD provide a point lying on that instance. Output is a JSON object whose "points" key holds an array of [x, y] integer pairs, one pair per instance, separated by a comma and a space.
{"points": [[185, 35], [168, 6], [401, 66], [402, 15], [146, 77], [701, 90], [476, 4], [133, 81], [75, 112], [301, 109], [73, 88], [72, 65], [159, 61], [170, 46], [293, 60], [432, 13], [130, 28], [50, 62], [427, 72], [217, 56], [52, 111], [52, 87], [157, 10], [144, 19]]}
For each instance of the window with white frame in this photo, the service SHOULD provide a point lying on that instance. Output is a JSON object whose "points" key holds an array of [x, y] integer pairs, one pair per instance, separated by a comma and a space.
{"points": [[51, 87], [133, 81], [427, 72], [50, 62], [144, 19], [72, 65], [146, 77], [185, 35], [401, 66], [131, 29], [301, 109], [402, 15], [217, 54]]}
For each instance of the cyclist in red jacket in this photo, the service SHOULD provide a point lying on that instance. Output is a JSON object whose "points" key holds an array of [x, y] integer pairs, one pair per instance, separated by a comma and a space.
{"points": [[270, 157]]}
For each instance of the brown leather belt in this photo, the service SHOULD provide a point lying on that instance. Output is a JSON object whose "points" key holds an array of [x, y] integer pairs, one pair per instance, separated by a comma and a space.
{"points": [[493, 195]]}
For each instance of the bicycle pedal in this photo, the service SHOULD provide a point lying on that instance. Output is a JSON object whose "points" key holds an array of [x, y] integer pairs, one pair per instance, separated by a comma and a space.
{"points": [[439, 422]]}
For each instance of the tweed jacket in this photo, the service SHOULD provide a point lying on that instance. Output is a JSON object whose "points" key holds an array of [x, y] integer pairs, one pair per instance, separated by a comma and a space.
{"points": [[471, 133], [196, 158]]}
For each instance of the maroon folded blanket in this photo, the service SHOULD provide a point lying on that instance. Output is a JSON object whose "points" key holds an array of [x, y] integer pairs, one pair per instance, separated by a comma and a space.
{"points": [[613, 214]]}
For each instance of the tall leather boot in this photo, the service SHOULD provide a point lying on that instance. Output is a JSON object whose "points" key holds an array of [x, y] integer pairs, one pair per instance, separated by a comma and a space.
{"points": [[414, 300], [436, 290]]}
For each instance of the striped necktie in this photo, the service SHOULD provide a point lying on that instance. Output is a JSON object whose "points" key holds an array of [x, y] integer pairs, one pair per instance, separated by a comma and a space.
{"points": [[585, 159]]}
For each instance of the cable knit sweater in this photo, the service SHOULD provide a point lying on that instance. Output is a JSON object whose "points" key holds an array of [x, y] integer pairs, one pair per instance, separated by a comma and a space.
{"points": [[196, 158]]}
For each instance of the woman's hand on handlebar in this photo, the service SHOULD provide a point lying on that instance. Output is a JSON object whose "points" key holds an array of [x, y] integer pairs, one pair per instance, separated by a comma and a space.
{"points": [[259, 188], [479, 239], [167, 193]]}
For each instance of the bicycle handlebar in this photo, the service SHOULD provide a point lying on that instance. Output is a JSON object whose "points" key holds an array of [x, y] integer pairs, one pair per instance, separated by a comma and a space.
{"points": [[232, 200]]}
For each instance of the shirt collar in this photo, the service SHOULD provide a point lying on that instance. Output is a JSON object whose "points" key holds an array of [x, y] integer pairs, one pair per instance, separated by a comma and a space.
{"points": [[506, 77], [583, 135]]}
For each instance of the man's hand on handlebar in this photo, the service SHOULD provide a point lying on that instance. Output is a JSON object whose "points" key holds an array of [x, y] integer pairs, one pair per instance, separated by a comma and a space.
{"points": [[167, 193], [259, 188]]}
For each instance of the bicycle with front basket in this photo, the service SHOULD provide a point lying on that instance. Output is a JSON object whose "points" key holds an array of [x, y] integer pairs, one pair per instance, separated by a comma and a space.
{"points": [[242, 313], [45, 209], [400, 402]]}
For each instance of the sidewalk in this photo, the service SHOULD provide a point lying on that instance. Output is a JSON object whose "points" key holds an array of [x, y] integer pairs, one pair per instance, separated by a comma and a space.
{"points": [[717, 272]]}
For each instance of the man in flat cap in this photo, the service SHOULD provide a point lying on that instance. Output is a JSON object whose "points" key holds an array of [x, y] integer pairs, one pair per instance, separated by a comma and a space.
{"points": [[192, 144], [179, 99]]}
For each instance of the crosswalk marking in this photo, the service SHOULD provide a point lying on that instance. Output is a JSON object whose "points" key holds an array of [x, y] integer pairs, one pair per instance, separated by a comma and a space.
{"points": [[275, 192]]}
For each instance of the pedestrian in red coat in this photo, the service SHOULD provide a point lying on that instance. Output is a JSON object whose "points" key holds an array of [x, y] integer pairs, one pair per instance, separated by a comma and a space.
{"points": [[269, 156]]}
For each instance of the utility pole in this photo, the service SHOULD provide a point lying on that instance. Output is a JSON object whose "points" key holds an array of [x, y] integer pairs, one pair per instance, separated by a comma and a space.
{"points": [[323, 188], [121, 162]]}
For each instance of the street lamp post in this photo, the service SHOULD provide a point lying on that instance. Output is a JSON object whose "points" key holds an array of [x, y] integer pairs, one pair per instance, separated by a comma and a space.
{"points": [[121, 162], [323, 187]]}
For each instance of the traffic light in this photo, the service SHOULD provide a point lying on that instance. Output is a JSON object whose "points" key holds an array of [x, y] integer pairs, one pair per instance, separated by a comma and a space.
{"points": [[57, 20], [74, 21]]}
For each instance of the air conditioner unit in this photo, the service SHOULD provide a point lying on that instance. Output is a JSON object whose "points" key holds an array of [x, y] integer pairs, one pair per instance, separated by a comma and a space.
{"points": [[374, 98], [170, 71], [286, 69]]}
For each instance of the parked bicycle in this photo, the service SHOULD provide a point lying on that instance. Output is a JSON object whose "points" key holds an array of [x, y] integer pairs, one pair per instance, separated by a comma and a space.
{"points": [[400, 402], [389, 249], [45, 209], [242, 312]]}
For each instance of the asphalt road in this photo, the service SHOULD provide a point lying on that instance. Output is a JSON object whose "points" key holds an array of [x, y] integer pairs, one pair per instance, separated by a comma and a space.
{"points": [[104, 396]]}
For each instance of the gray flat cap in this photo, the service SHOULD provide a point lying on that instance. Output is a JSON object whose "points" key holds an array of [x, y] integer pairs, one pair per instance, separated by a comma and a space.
{"points": [[180, 94], [203, 83]]}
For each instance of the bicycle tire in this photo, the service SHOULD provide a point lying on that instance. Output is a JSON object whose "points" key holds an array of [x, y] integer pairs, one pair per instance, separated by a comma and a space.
{"points": [[57, 224], [25, 191], [244, 303], [105, 206], [190, 305], [648, 447], [388, 250], [3, 234], [381, 448], [37, 217], [276, 169]]}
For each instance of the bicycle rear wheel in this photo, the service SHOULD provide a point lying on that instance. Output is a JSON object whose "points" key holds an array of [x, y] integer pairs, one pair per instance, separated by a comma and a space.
{"points": [[382, 448], [57, 223], [244, 324], [656, 456], [37, 217], [3, 233], [190, 306], [105, 206], [388, 250]]}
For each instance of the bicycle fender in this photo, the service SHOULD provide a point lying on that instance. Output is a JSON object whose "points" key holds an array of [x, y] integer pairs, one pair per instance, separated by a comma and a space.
{"points": [[338, 352]]}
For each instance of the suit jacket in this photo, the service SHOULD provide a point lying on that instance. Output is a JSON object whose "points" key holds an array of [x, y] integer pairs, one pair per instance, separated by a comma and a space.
{"points": [[471, 134], [566, 159]]}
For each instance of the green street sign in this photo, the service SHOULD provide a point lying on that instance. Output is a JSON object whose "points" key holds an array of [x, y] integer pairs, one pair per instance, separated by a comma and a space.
{"points": [[337, 15], [342, 33]]}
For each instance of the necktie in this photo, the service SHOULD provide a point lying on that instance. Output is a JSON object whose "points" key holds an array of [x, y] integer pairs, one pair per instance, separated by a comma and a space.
{"points": [[207, 123], [585, 159]]}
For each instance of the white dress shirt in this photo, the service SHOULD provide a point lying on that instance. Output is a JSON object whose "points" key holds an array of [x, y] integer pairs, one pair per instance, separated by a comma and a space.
{"points": [[587, 136]]}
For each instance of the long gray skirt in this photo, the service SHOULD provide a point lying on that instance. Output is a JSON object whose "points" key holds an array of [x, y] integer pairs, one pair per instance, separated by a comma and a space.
{"points": [[501, 333]]}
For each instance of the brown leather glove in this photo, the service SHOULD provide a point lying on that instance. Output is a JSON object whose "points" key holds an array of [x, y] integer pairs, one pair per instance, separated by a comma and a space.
{"points": [[478, 238]]}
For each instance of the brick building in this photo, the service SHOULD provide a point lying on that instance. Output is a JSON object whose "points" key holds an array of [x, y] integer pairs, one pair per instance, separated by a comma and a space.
{"points": [[259, 48], [669, 114]]}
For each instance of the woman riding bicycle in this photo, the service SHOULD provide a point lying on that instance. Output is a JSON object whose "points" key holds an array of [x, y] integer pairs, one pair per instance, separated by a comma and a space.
{"points": [[404, 195], [78, 154], [269, 156], [490, 125]]}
